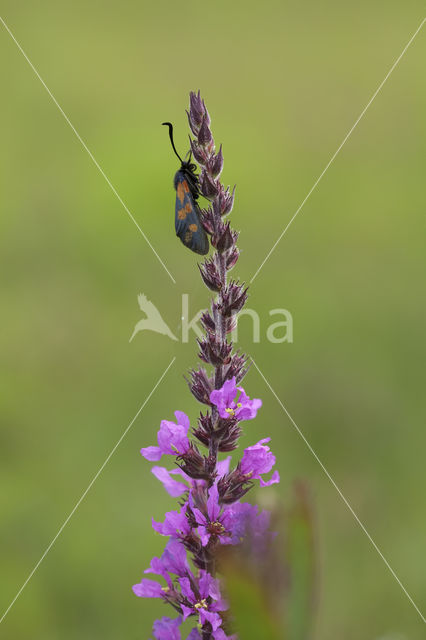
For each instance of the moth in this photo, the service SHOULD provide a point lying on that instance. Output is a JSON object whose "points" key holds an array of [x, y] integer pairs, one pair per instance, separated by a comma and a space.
{"points": [[187, 214]]}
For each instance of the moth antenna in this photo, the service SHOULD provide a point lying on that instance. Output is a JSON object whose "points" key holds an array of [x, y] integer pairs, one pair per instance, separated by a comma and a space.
{"points": [[169, 124]]}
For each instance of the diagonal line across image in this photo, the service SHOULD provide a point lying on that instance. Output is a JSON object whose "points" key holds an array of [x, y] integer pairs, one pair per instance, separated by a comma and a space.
{"points": [[90, 485], [90, 154]]}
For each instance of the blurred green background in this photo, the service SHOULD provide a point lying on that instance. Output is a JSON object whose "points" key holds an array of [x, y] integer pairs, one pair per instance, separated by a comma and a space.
{"points": [[283, 82]]}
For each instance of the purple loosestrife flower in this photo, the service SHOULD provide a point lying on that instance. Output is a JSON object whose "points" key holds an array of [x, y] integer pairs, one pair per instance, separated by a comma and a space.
{"points": [[173, 560], [173, 487], [210, 512], [172, 439], [216, 522], [232, 401], [204, 602], [258, 460], [168, 629], [177, 489], [176, 524]]}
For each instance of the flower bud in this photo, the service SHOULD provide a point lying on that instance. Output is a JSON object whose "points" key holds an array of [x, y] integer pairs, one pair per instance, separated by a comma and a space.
{"points": [[227, 201], [234, 299], [196, 108], [238, 367], [216, 164], [208, 322], [210, 275], [200, 385], [232, 258], [194, 128], [205, 135], [233, 486], [225, 240], [193, 463], [207, 220], [208, 187], [214, 351], [198, 152]]}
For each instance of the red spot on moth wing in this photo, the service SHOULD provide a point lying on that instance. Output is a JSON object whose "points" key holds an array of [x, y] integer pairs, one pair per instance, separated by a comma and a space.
{"points": [[180, 190], [185, 186], [193, 227]]}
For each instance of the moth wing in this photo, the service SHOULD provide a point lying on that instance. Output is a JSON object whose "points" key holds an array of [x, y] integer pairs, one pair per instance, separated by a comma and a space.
{"points": [[187, 219]]}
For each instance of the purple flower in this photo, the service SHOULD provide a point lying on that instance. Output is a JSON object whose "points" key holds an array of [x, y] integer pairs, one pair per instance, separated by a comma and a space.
{"points": [[258, 460], [167, 629], [247, 521], [148, 589], [172, 439], [205, 603], [173, 560], [173, 487], [176, 524], [177, 489], [214, 523], [219, 634], [232, 401]]}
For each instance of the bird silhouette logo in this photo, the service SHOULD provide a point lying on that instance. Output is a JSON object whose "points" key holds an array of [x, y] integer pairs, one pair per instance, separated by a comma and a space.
{"points": [[153, 321]]}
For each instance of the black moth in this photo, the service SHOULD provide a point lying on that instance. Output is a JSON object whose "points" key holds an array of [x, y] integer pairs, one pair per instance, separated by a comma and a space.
{"points": [[187, 214]]}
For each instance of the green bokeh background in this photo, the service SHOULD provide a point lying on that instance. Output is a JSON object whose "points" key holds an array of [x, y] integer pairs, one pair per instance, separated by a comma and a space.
{"points": [[284, 82]]}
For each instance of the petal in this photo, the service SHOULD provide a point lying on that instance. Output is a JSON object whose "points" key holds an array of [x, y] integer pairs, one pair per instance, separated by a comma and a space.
{"points": [[210, 616], [257, 459], [159, 527], [156, 567], [248, 410], [219, 605], [186, 611], [199, 516], [213, 507], [179, 472], [173, 487], [167, 629], [178, 520], [185, 587], [223, 398], [208, 586], [204, 535], [222, 467], [229, 391], [194, 635], [275, 478], [172, 438], [175, 559], [151, 453], [217, 399], [148, 589], [182, 419]]}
